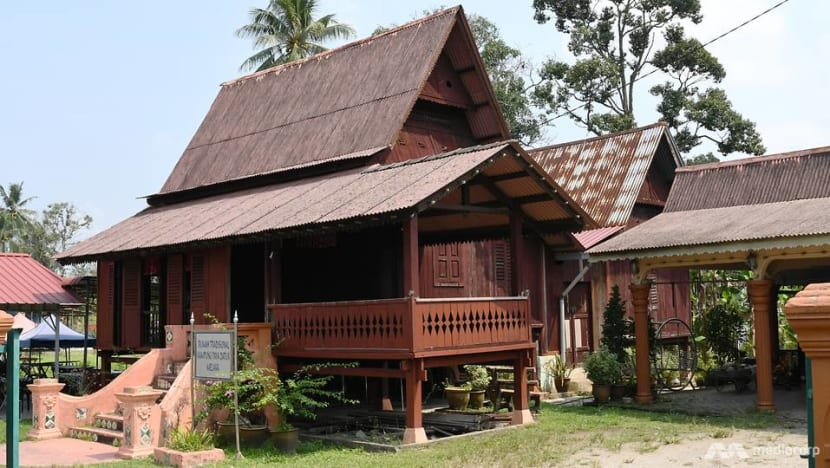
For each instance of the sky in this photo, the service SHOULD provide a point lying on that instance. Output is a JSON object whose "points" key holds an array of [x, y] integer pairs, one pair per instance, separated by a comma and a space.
{"points": [[100, 98]]}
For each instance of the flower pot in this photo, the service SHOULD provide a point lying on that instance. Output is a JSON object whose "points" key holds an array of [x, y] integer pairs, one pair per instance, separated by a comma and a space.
{"points": [[601, 393], [253, 435], [457, 398], [561, 384], [225, 432], [617, 392], [285, 441], [476, 399]]}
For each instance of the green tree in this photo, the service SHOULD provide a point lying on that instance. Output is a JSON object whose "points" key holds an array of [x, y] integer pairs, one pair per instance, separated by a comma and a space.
{"points": [[509, 73], [286, 30], [15, 217], [613, 41], [614, 326]]}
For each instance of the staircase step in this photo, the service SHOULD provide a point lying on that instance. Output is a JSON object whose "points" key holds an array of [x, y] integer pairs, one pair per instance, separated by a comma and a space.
{"points": [[179, 366], [164, 382], [97, 434], [111, 421]]}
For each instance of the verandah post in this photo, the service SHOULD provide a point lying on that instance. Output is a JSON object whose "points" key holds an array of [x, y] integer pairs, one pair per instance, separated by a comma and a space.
{"points": [[639, 299], [759, 296], [415, 375]]}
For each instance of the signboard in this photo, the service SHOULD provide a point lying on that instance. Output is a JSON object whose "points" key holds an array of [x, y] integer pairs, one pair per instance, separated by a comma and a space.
{"points": [[213, 354]]}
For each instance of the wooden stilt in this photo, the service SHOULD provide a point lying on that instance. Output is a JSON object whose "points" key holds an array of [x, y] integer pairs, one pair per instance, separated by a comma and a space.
{"points": [[414, 432]]}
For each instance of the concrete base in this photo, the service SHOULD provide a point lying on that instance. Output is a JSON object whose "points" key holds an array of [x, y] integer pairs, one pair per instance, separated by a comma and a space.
{"points": [[645, 398], [44, 435], [386, 404], [129, 453], [414, 435], [521, 417], [170, 457], [767, 408]]}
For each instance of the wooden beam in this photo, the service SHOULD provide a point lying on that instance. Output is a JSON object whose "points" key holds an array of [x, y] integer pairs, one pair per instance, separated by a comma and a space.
{"points": [[469, 209], [494, 190], [507, 176], [410, 256], [349, 371]]}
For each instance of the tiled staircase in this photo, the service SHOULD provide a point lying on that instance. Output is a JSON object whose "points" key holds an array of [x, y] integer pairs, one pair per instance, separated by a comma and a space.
{"points": [[108, 428]]}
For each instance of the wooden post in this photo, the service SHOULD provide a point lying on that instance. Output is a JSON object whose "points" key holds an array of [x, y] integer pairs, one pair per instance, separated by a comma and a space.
{"points": [[639, 299], [521, 408], [759, 296], [414, 432], [516, 252], [809, 314], [410, 257], [385, 400]]}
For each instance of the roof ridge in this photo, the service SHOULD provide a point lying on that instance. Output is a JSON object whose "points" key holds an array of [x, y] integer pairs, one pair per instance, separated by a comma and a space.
{"points": [[359, 42], [818, 151], [433, 157], [14, 254], [599, 137]]}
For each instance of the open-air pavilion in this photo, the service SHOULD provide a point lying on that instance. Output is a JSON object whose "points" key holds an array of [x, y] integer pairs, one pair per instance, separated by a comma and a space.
{"points": [[766, 214]]}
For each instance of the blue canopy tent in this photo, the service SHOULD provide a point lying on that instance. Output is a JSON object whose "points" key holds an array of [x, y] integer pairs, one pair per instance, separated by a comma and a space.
{"points": [[50, 332], [44, 336]]}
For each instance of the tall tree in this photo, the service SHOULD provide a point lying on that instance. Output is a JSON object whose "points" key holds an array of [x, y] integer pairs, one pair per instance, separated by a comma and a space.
{"points": [[15, 218], [58, 226], [613, 41], [509, 73], [286, 30]]}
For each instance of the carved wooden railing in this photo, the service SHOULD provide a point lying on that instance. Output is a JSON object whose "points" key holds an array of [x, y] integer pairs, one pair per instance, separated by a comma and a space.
{"points": [[356, 325], [471, 322], [399, 326]]}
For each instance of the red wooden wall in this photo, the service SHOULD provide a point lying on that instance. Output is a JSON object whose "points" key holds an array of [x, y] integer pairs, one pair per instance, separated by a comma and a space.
{"points": [[209, 282], [131, 304], [175, 289], [106, 304]]}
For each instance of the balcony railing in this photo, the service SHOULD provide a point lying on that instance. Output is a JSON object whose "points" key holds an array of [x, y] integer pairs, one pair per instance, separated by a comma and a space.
{"points": [[400, 327]]}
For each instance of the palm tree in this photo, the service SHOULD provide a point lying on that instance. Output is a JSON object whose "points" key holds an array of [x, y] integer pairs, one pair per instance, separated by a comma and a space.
{"points": [[15, 218], [286, 31]]}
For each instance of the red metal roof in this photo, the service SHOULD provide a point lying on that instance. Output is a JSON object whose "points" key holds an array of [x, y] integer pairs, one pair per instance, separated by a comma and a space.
{"points": [[604, 174], [592, 237], [25, 281]]}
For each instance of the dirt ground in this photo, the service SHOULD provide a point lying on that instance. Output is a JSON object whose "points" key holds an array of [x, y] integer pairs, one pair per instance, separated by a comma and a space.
{"points": [[778, 446]]}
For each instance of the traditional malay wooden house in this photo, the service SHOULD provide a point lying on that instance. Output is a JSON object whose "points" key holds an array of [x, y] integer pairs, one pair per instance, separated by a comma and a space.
{"points": [[620, 180], [329, 197]]}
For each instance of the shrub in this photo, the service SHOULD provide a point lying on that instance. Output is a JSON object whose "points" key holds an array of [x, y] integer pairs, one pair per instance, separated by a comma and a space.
{"points": [[603, 368], [187, 440], [478, 377]]}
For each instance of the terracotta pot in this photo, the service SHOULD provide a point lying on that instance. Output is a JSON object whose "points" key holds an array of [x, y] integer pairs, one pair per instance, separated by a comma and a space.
{"points": [[225, 432], [601, 393], [249, 435], [476, 399], [457, 398], [285, 441], [562, 384], [617, 392]]}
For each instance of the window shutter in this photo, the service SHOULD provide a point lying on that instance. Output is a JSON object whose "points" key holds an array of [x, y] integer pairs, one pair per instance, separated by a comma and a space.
{"points": [[198, 300], [131, 304], [175, 278], [106, 305], [448, 268]]}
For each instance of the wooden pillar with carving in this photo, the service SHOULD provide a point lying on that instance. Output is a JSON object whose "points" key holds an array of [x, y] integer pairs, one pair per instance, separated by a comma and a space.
{"points": [[639, 299], [759, 296], [415, 375], [809, 314]]}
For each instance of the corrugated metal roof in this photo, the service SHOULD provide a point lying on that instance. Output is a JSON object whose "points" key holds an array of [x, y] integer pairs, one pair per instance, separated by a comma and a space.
{"points": [[25, 281], [340, 102], [605, 174], [780, 220], [592, 237], [304, 204], [751, 181]]}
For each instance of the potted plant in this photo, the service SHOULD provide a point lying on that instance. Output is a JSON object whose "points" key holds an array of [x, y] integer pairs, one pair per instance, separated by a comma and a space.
{"points": [[299, 395], [479, 380], [458, 396], [243, 390], [560, 372], [603, 370], [185, 447]]}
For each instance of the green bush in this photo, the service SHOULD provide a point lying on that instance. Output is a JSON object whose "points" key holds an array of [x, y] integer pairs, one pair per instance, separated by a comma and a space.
{"points": [[478, 377], [187, 440], [615, 328], [603, 368]]}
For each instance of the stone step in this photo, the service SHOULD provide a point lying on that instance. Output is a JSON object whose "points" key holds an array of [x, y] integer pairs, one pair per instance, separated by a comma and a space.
{"points": [[179, 366], [97, 434], [111, 421], [164, 382]]}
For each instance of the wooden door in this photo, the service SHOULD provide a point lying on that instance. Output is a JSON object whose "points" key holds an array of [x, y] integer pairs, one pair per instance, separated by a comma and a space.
{"points": [[578, 322]]}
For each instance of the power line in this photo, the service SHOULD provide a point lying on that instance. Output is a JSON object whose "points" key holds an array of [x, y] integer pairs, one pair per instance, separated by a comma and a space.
{"points": [[711, 41]]}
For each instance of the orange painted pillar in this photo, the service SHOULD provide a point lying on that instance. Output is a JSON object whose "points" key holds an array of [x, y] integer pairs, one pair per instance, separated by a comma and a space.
{"points": [[759, 297], [639, 299], [809, 314], [45, 404], [414, 432], [521, 408]]}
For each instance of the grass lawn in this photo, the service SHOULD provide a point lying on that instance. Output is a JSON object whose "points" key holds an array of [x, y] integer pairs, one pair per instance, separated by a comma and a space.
{"points": [[25, 425], [559, 432]]}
